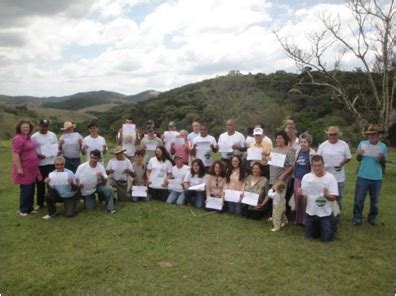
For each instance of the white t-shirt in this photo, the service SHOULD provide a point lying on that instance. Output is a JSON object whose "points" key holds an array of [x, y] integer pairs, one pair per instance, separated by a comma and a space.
{"points": [[40, 140], [71, 147], [119, 166], [87, 175], [318, 205], [332, 155], [205, 152], [94, 143], [158, 171], [194, 180], [229, 140], [179, 174]]}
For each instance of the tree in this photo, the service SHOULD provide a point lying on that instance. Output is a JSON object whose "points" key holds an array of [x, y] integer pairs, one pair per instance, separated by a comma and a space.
{"points": [[374, 34]]}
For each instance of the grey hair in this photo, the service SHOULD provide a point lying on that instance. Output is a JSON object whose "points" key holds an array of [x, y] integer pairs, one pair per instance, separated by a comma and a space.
{"points": [[60, 158], [307, 137]]}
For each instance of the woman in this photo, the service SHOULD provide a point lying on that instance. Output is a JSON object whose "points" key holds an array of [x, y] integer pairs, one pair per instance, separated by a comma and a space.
{"points": [[25, 166], [282, 173], [255, 183], [235, 180], [302, 166], [215, 180], [158, 170], [195, 177]]}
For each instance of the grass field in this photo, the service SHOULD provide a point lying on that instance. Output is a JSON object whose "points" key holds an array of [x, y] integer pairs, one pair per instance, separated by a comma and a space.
{"points": [[154, 248]]}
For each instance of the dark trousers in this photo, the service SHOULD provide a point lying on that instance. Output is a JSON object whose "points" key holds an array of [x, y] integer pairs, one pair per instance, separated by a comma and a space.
{"points": [[70, 203], [158, 194], [44, 170], [26, 198], [72, 164], [320, 227]]}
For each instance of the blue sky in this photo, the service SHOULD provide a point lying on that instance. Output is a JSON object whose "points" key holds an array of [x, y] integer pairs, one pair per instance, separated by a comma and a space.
{"points": [[53, 48]]}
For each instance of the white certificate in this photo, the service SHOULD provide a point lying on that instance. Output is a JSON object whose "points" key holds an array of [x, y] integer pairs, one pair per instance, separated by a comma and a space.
{"points": [[203, 146], [250, 198], [332, 160], [371, 150], [89, 181], [170, 136], [140, 191], [175, 185], [70, 141], [58, 178], [129, 129], [151, 145], [214, 203], [49, 150], [315, 187], [232, 195], [225, 147], [179, 141], [255, 154], [199, 187], [157, 182], [277, 159]]}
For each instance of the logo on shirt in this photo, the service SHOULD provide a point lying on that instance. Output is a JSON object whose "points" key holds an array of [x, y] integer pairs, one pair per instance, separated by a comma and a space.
{"points": [[320, 201]]}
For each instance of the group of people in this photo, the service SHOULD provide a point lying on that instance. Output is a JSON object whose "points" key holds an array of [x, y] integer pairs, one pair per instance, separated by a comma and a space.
{"points": [[255, 177]]}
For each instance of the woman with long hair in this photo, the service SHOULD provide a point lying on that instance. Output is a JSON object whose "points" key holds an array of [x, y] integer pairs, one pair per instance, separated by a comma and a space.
{"points": [[235, 180], [195, 177]]}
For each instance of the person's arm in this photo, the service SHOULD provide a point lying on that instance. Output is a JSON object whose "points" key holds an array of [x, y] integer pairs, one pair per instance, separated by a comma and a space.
{"points": [[17, 162], [329, 196]]}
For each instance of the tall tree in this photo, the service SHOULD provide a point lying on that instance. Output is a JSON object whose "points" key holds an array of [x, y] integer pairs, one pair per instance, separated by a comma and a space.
{"points": [[373, 44]]}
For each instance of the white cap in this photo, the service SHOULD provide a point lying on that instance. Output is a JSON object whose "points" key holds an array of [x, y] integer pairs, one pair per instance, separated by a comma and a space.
{"points": [[258, 131]]}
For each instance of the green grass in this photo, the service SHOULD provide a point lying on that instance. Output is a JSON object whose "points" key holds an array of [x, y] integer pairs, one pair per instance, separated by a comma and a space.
{"points": [[154, 248]]}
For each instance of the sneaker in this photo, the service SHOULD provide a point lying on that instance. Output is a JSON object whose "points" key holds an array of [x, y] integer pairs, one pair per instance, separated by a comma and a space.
{"points": [[112, 212], [34, 212], [275, 229], [47, 217], [283, 224], [23, 214]]}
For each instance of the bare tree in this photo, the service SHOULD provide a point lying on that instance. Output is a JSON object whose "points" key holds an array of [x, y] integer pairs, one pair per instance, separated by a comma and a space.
{"points": [[374, 34]]}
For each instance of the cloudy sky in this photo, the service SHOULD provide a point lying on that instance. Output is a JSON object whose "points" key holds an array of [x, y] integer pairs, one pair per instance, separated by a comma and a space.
{"points": [[60, 47]]}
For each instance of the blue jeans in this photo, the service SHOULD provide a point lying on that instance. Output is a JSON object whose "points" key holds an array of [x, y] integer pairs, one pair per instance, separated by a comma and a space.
{"points": [[26, 197], [341, 190], [234, 207], [195, 198], [105, 193], [176, 198], [320, 227], [362, 186]]}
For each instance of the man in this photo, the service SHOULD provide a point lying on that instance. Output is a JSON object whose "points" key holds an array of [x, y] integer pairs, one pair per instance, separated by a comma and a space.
{"points": [[203, 146], [46, 148], [195, 131], [231, 142], [127, 139], [372, 155], [91, 179], [62, 188], [120, 169], [70, 144], [320, 190], [94, 142], [265, 145], [336, 154], [149, 143]]}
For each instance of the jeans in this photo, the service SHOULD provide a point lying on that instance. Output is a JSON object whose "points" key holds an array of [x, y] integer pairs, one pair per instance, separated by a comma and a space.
{"points": [[195, 198], [70, 204], [233, 207], [362, 186], [340, 197], [72, 164], [44, 170], [105, 193], [176, 198], [320, 227], [26, 198]]}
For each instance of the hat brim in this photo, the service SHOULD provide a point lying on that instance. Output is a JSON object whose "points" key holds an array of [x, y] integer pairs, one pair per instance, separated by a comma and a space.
{"points": [[119, 151], [66, 128], [372, 132]]}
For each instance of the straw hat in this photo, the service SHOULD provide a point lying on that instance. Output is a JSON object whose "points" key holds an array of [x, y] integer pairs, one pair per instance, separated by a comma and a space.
{"points": [[118, 149], [373, 129], [67, 125], [333, 130]]}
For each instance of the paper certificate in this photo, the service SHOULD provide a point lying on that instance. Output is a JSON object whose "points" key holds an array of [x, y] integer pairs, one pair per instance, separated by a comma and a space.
{"points": [[170, 136], [157, 182], [58, 178], [255, 154], [250, 198], [332, 160], [313, 188], [199, 187], [371, 150], [70, 141], [225, 147], [49, 150], [140, 191], [179, 141], [277, 159], [175, 185], [151, 145], [129, 129], [232, 195], [214, 203]]}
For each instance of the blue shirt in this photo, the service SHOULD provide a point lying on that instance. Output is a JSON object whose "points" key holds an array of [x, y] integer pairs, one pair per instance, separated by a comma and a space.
{"points": [[370, 166], [65, 191], [302, 165]]}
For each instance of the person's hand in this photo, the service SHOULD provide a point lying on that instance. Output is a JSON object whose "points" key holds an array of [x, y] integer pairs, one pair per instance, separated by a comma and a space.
{"points": [[47, 180], [20, 172], [70, 180], [61, 142], [360, 152], [126, 171], [325, 192], [299, 191], [236, 146], [40, 156], [381, 156], [85, 147], [144, 147], [80, 142], [108, 171], [80, 185]]}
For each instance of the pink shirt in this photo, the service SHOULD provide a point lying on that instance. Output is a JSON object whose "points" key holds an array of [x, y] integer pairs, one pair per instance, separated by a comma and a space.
{"points": [[25, 148], [182, 150]]}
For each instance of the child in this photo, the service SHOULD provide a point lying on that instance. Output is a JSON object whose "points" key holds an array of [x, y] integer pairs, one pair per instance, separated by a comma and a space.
{"points": [[277, 194], [139, 174]]}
